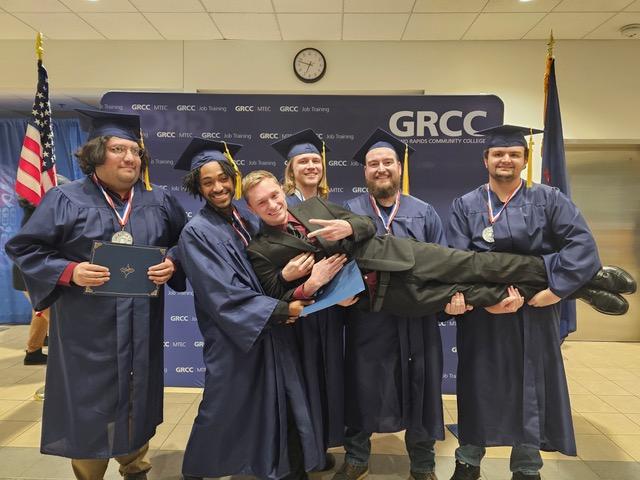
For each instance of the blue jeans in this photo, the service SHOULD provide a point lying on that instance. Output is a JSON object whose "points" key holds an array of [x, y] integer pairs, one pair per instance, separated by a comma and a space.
{"points": [[420, 449], [524, 458]]}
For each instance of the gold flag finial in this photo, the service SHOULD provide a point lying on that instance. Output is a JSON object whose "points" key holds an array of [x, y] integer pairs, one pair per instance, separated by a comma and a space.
{"points": [[550, 45], [39, 49]]}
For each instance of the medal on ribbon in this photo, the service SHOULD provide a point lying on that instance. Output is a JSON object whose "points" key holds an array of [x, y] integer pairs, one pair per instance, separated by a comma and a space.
{"points": [[121, 236], [487, 232], [386, 222]]}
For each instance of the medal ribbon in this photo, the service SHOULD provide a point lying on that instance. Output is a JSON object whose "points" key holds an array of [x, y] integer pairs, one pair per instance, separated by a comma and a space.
{"points": [[494, 218], [394, 211], [242, 232], [122, 220]]}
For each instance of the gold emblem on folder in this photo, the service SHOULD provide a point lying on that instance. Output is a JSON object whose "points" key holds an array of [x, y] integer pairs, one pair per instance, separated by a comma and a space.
{"points": [[128, 270]]}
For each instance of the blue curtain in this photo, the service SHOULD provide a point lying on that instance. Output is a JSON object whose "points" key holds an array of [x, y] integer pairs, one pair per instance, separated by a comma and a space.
{"points": [[68, 136]]}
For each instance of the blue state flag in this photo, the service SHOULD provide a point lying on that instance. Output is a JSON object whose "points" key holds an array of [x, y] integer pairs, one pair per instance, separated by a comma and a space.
{"points": [[554, 170]]}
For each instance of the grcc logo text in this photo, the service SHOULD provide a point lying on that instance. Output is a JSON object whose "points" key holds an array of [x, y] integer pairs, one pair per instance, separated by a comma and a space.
{"points": [[141, 106], [186, 108], [184, 369], [269, 136], [408, 124], [244, 108], [166, 134], [179, 318], [210, 135], [198, 343], [289, 108]]}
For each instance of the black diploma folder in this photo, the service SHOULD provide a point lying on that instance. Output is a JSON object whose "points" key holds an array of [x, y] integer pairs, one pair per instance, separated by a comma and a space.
{"points": [[128, 265]]}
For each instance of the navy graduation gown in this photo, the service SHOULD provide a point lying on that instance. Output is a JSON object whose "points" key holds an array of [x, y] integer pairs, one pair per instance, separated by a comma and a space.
{"points": [[393, 364], [105, 364], [320, 338], [252, 364], [511, 383]]}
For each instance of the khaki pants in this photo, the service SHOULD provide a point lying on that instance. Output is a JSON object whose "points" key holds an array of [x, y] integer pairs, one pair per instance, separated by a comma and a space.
{"points": [[38, 328], [94, 468]]}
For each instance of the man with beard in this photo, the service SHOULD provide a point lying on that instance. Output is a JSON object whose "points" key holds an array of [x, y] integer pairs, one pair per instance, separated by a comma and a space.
{"points": [[511, 384], [254, 418], [104, 386], [393, 364]]}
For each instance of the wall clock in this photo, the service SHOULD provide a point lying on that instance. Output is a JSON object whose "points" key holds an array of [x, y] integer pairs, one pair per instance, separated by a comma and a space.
{"points": [[309, 65]]}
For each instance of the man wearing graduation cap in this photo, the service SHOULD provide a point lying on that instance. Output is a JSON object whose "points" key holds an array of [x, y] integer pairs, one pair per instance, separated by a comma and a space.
{"points": [[254, 418], [393, 364], [305, 173], [511, 384], [320, 335], [104, 385]]}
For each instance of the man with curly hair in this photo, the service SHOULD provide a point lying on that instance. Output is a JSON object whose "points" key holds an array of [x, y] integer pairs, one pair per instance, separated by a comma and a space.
{"points": [[104, 385]]}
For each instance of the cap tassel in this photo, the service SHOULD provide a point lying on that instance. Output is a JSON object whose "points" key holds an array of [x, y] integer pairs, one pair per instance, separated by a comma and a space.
{"points": [[324, 184], [530, 161], [238, 189], [147, 182], [405, 167]]}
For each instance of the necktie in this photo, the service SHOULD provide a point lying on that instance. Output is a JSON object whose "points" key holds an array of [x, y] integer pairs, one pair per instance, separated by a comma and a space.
{"points": [[294, 231]]}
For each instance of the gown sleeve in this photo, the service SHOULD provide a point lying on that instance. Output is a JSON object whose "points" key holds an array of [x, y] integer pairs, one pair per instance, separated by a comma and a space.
{"points": [[218, 275], [575, 260], [35, 251]]}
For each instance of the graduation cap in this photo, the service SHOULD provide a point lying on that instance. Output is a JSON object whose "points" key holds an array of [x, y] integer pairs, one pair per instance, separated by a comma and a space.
{"points": [[512, 136], [111, 124], [507, 135], [306, 141], [383, 139], [200, 152]]}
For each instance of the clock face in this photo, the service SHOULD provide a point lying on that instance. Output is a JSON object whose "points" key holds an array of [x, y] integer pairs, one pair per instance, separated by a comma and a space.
{"points": [[309, 65]]}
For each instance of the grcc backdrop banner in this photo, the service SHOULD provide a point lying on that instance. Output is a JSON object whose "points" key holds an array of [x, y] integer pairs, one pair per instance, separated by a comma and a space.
{"points": [[446, 164]]}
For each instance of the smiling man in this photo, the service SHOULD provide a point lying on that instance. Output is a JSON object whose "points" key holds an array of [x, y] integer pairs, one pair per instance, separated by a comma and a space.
{"points": [[511, 385], [393, 366], [104, 385], [254, 418]]}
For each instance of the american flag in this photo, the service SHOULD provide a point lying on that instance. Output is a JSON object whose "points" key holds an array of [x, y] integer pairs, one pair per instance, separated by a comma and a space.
{"points": [[37, 165]]}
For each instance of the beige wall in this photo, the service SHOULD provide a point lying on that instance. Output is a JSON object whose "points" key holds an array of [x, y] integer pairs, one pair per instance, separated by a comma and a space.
{"points": [[598, 80]]}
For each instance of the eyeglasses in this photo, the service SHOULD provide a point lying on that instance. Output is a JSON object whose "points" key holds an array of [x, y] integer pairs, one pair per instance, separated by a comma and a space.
{"points": [[121, 150]]}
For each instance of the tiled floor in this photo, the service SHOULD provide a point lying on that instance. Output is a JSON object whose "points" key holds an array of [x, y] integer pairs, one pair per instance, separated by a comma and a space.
{"points": [[604, 381]]}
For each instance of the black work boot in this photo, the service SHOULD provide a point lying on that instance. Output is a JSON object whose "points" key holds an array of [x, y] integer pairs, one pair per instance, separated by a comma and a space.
{"points": [[465, 472], [35, 358], [351, 472], [522, 476]]}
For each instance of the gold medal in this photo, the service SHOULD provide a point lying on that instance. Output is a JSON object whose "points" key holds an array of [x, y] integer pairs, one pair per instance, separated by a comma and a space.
{"points": [[487, 234], [122, 237]]}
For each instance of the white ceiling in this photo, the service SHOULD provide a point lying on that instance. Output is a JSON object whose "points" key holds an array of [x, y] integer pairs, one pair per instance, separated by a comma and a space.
{"points": [[316, 19]]}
